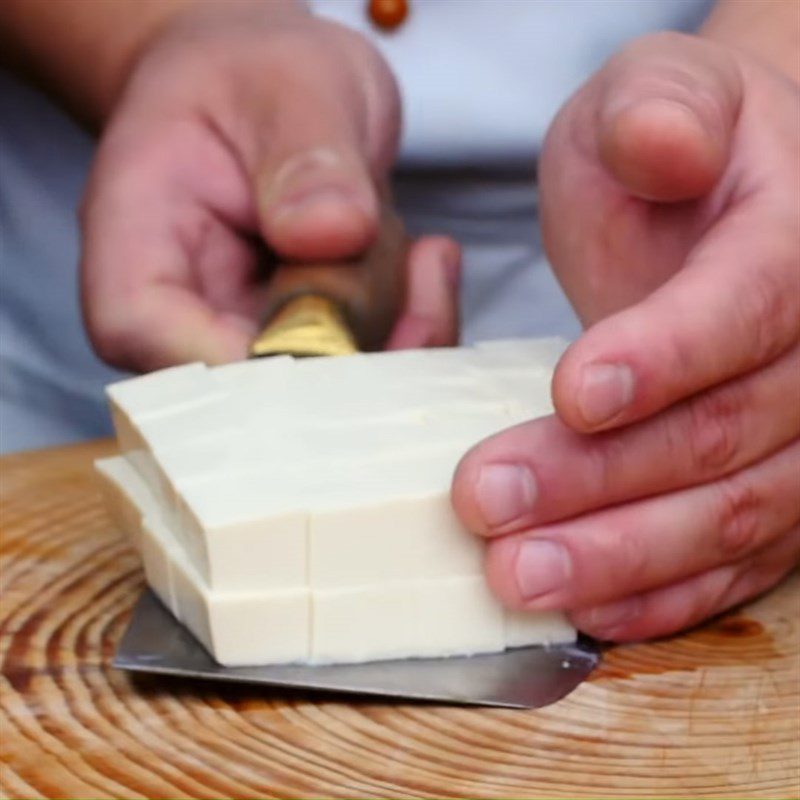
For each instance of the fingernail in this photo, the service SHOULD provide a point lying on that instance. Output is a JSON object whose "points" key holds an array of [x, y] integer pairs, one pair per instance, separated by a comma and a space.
{"points": [[542, 567], [300, 203], [605, 390], [605, 619], [295, 170], [505, 492], [316, 176]]}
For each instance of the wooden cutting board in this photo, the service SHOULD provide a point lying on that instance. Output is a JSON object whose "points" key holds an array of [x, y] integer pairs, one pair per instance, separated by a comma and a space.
{"points": [[713, 713]]}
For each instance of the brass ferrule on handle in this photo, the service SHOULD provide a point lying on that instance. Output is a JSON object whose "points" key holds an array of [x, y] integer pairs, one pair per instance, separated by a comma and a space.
{"points": [[319, 309], [307, 324]]}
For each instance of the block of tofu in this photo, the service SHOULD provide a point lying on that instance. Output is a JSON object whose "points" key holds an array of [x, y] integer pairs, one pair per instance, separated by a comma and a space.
{"points": [[308, 500], [418, 618]]}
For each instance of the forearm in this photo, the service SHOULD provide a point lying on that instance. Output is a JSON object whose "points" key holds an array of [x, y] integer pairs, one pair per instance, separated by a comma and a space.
{"points": [[768, 29], [81, 51]]}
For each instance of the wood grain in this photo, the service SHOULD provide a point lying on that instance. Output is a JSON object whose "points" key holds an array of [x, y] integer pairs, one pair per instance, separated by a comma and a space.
{"points": [[714, 713]]}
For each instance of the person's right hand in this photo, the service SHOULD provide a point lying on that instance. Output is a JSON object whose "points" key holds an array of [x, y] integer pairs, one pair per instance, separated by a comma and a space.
{"points": [[246, 124]]}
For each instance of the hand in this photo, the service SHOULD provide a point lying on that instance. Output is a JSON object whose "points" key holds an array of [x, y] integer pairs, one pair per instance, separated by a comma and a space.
{"points": [[248, 134], [667, 488]]}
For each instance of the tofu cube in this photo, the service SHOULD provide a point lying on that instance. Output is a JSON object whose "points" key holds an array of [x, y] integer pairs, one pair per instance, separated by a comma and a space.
{"points": [[403, 619], [244, 628]]}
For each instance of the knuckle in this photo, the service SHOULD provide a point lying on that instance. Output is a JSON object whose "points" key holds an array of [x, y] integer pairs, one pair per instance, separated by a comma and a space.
{"points": [[627, 551], [714, 435], [738, 517], [767, 314]]}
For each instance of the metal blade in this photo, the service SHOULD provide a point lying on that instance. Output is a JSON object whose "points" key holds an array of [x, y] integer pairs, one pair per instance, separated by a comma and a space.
{"points": [[526, 677]]}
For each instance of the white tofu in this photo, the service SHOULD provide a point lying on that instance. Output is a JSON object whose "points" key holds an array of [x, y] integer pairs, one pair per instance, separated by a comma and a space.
{"points": [[524, 628], [128, 500], [404, 619], [125, 494], [244, 540], [237, 627], [163, 390], [244, 628], [273, 486], [540, 355], [432, 365], [303, 442], [244, 373], [530, 392], [246, 525], [158, 393], [398, 525], [159, 552], [251, 530]]}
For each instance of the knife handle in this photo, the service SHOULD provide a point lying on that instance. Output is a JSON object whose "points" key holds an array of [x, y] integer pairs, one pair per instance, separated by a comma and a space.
{"points": [[357, 300]]}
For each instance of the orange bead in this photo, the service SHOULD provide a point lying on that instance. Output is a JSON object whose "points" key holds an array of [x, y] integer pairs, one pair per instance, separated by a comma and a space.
{"points": [[388, 14]]}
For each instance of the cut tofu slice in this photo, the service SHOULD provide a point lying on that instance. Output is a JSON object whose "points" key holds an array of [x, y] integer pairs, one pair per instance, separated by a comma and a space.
{"points": [[524, 628], [398, 525], [128, 499], [244, 628], [252, 530], [159, 551], [415, 618], [247, 541], [125, 494], [237, 627]]}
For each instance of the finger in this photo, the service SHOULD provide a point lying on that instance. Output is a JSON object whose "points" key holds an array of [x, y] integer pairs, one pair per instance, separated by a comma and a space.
{"points": [[164, 280], [681, 605], [566, 474], [319, 147], [171, 325], [667, 111], [733, 308], [638, 546], [430, 316]]}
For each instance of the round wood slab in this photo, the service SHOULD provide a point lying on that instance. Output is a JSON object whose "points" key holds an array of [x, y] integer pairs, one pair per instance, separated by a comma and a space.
{"points": [[713, 713]]}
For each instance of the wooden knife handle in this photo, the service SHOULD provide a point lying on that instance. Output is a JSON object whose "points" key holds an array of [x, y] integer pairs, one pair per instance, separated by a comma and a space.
{"points": [[368, 291]]}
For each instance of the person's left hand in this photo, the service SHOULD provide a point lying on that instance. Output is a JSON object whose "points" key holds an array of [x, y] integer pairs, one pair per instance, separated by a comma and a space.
{"points": [[667, 487]]}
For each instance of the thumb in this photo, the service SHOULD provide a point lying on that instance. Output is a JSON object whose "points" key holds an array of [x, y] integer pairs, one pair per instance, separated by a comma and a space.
{"points": [[667, 111], [326, 136]]}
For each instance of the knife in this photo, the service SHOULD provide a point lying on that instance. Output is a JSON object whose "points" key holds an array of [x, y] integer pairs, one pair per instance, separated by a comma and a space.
{"points": [[339, 308]]}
